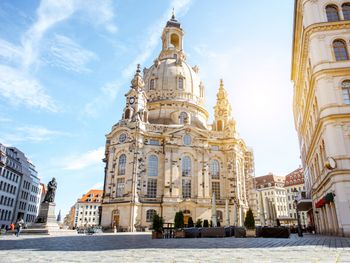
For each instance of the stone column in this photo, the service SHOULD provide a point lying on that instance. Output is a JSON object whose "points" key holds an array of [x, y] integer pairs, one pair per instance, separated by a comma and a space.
{"points": [[227, 213], [324, 220], [335, 220], [261, 208], [235, 223], [329, 219], [268, 214]]}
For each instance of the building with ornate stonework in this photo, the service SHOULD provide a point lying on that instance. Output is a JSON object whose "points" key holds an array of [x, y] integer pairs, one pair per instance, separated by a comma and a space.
{"points": [[321, 75], [163, 156]]}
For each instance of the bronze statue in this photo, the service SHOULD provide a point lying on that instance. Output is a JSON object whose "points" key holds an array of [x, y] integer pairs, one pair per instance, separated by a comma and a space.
{"points": [[51, 190]]}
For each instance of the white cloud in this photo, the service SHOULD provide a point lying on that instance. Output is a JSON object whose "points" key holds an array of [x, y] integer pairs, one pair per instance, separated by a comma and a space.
{"points": [[63, 52], [81, 161], [19, 88], [31, 134], [10, 52], [107, 94]]}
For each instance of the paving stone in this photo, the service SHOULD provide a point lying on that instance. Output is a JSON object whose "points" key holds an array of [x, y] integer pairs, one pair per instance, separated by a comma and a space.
{"points": [[141, 248]]}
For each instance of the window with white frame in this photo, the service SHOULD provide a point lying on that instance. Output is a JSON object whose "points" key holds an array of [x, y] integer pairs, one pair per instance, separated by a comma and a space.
{"points": [[346, 91], [186, 166], [186, 188], [152, 169], [215, 169], [152, 188], [150, 214], [120, 187], [122, 164]]}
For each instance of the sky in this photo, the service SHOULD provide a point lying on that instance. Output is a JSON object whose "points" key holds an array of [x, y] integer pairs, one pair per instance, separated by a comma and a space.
{"points": [[66, 65]]}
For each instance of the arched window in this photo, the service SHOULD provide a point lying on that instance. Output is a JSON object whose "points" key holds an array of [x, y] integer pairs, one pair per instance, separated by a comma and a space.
{"points": [[175, 41], [332, 13], [122, 164], [181, 83], [346, 91], [340, 51], [187, 139], [151, 84], [127, 114], [346, 11], [150, 214], [152, 165], [186, 166], [215, 169], [219, 215], [219, 125], [182, 117]]}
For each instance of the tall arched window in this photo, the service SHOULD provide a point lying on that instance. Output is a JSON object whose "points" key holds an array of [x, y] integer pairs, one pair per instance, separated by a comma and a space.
{"points": [[186, 166], [340, 50], [346, 11], [181, 83], [149, 215], [122, 164], [182, 117], [219, 216], [346, 91], [332, 13], [215, 169], [151, 84], [152, 166]]}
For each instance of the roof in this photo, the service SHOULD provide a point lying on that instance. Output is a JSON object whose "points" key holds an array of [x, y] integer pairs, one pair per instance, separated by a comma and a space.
{"points": [[295, 178], [269, 180], [92, 196]]}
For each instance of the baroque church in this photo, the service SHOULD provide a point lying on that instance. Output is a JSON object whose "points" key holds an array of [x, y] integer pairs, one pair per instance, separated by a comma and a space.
{"points": [[163, 156]]}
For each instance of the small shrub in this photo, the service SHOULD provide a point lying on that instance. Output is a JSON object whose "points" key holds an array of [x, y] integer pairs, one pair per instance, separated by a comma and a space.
{"points": [[190, 222], [205, 223], [157, 223], [249, 221], [199, 223], [179, 220]]}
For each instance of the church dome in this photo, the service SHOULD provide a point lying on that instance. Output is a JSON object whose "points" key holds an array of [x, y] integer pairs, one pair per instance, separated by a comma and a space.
{"points": [[173, 87], [169, 79]]}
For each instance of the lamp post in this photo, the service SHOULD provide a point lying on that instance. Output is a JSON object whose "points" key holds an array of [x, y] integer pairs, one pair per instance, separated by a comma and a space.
{"points": [[300, 233]]}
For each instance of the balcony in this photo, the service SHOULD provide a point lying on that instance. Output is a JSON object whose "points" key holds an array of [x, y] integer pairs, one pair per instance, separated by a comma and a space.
{"points": [[304, 201]]}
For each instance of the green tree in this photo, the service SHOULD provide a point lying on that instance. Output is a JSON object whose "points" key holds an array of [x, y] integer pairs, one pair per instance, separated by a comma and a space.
{"points": [[249, 221], [157, 223], [190, 222], [179, 220], [199, 222], [206, 223]]}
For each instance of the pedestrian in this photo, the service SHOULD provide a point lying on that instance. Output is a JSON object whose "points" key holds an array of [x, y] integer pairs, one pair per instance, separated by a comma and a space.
{"points": [[19, 226], [12, 226]]}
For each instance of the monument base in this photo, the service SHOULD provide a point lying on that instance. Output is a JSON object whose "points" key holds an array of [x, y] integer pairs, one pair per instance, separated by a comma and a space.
{"points": [[46, 223]]}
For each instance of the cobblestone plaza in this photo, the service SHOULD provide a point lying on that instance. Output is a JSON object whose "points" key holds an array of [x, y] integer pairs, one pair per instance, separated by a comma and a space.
{"points": [[141, 248]]}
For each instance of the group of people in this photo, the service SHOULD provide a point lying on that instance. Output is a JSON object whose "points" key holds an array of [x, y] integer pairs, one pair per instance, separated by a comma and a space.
{"points": [[18, 227]]}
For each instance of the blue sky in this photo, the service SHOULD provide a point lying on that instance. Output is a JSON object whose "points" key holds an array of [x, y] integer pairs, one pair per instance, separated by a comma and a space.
{"points": [[66, 65]]}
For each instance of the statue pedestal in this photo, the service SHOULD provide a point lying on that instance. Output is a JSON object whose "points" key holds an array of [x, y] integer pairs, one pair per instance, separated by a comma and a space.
{"points": [[46, 223]]}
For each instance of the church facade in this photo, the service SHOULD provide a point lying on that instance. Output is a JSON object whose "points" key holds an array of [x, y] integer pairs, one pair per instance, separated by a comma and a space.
{"points": [[163, 156]]}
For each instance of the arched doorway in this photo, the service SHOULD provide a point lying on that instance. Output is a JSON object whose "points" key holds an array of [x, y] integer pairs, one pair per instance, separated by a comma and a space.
{"points": [[115, 218]]}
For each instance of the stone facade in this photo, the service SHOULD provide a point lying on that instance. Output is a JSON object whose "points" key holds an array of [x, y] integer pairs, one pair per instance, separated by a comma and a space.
{"points": [[321, 75], [271, 199], [163, 156]]}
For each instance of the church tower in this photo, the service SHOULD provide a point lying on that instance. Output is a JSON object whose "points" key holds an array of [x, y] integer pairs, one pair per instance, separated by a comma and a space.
{"points": [[222, 110], [136, 100]]}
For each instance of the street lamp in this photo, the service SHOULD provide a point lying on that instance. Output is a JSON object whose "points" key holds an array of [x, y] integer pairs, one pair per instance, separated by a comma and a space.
{"points": [[300, 233]]}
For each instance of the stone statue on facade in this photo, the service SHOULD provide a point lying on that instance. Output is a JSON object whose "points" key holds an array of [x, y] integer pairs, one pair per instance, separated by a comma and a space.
{"points": [[51, 190]]}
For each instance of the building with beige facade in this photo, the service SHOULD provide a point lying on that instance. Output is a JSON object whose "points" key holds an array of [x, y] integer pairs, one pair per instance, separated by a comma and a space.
{"points": [[321, 76], [294, 185], [163, 156], [87, 209], [271, 199]]}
